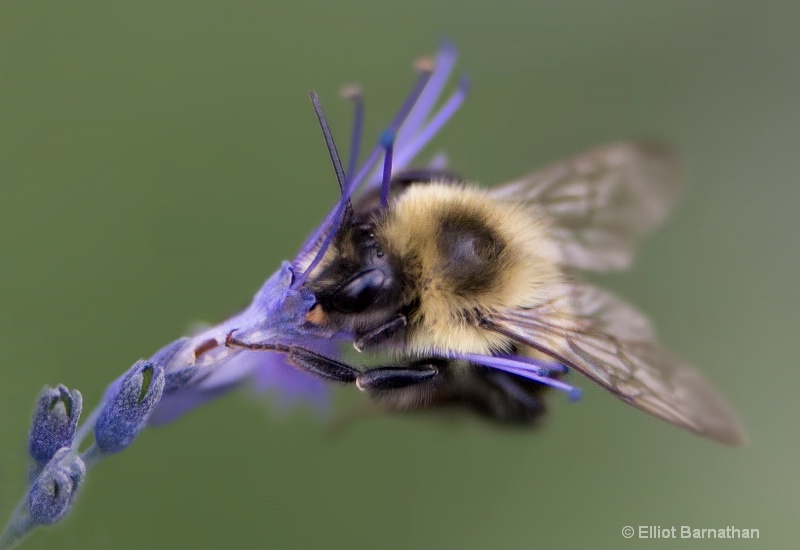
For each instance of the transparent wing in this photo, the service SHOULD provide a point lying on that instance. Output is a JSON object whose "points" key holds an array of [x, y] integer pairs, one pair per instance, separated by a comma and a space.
{"points": [[604, 338], [602, 203]]}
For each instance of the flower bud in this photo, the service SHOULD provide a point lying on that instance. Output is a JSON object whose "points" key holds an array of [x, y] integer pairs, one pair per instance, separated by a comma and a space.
{"points": [[128, 406], [54, 422], [54, 490]]}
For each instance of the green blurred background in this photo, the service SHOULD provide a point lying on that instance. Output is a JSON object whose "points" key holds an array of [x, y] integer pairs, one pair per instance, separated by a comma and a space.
{"points": [[159, 159]]}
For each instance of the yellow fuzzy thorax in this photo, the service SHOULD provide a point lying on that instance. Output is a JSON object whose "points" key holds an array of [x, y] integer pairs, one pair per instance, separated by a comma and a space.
{"points": [[445, 318]]}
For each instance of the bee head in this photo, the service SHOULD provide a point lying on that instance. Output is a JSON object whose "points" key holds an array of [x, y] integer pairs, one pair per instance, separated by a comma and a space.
{"points": [[361, 277]]}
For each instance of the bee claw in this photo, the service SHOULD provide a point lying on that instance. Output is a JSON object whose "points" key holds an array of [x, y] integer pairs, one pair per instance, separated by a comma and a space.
{"points": [[230, 341], [381, 333]]}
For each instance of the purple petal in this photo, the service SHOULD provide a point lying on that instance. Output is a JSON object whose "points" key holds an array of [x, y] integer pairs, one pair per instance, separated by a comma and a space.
{"points": [[266, 371], [446, 59], [290, 385], [201, 367], [526, 367], [411, 148]]}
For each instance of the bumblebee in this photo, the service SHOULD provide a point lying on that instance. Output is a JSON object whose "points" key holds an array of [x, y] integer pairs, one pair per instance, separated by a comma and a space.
{"points": [[475, 292]]}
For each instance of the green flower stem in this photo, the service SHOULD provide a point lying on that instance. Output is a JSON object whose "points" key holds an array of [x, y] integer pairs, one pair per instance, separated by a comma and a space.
{"points": [[92, 456], [85, 429], [19, 526]]}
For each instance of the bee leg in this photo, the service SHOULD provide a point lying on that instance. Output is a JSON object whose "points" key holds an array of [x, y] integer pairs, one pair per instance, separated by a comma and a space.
{"points": [[310, 361], [322, 366], [394, 378], [381, 333], [377, 379]]}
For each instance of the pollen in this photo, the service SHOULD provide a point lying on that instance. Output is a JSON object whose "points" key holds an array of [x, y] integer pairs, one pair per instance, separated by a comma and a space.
{"points": [[316, 316]]}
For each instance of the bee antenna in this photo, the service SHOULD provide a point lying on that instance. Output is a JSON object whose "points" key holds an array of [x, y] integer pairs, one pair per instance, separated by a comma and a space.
{"points": [[326, 132], [344, 209]]}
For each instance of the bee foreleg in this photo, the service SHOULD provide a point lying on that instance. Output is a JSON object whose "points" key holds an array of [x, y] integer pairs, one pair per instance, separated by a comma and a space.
{"points": [[322, 366], [393, 378], [310, 361], [381, 333]]}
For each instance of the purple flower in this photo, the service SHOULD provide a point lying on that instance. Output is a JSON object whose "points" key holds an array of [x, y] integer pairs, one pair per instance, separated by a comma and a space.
{"points": [[265, 372], [290, 385], [201, 367]]}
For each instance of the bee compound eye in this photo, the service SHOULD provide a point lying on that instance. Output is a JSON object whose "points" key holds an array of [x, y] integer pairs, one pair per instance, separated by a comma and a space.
{"points": [[360, 292]]}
